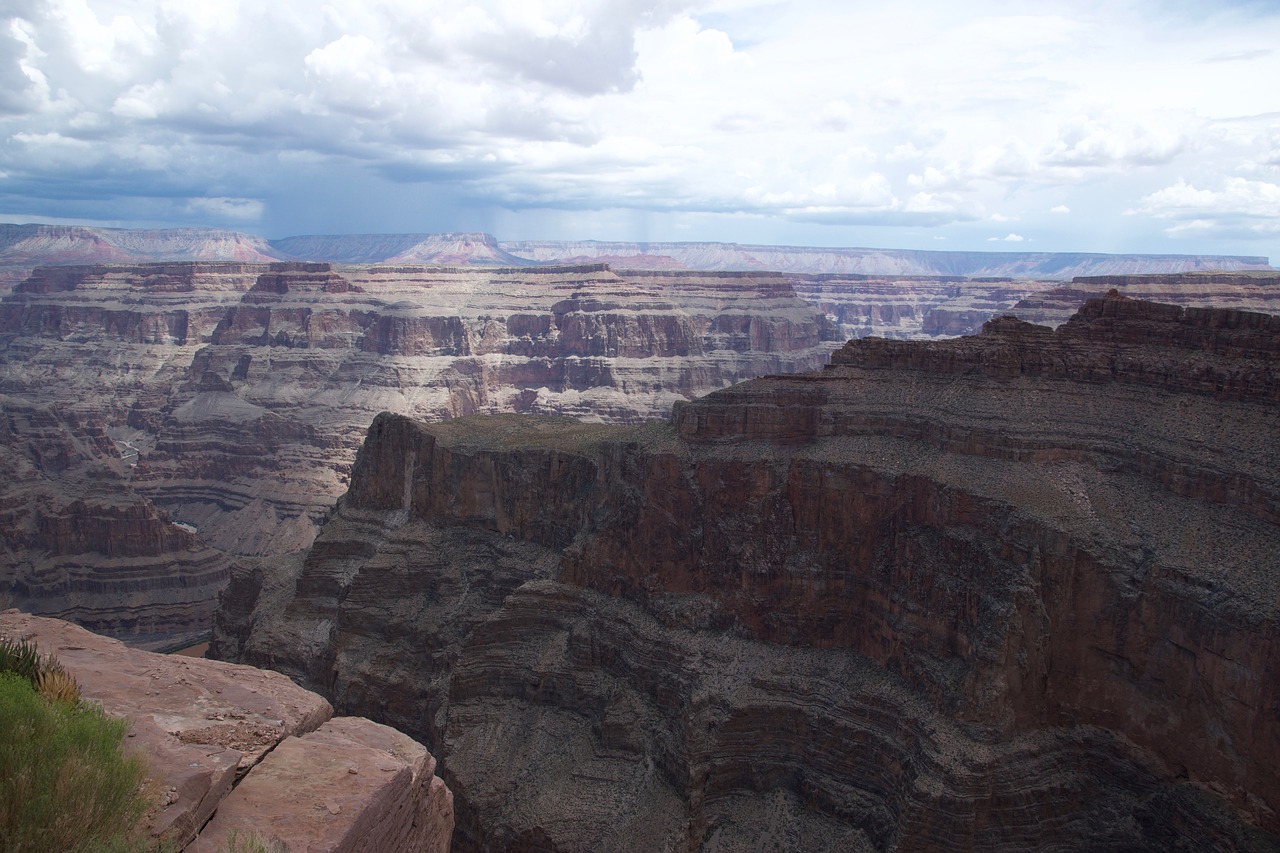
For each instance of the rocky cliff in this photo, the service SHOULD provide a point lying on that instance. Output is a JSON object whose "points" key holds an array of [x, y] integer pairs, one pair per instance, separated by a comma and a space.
{"points": [[1011, 592], [1256, 290], [878, 262], [27, 246], [230, 398], [78, 542], [236, 749]]}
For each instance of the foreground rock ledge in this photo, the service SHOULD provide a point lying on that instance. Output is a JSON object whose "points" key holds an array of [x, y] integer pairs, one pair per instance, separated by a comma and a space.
{"points": [[1006, 593], [254, 751]]}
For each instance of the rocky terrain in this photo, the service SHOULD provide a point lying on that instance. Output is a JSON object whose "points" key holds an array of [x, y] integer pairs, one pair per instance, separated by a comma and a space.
{"points": [[878, 262], [155, 412], [1004, 593], [883, 292], [236, 749], [23, 247], [1249, 290], [79, 542]]}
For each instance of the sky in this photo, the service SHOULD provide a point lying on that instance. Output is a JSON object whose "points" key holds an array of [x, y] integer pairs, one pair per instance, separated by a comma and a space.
{"points": [[1122, 126]]}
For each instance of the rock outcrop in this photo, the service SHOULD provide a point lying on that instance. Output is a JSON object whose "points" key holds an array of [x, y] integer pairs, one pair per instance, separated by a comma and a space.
{"points": [[231, 398], [1011, 592], [233, 748], [910, 307], [1257, 290]]}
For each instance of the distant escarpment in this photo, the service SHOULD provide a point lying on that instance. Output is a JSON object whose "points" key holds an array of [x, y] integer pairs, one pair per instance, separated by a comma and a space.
{"points": [[219, 405], [1003, 593], [1248, 290], [877, 262]]}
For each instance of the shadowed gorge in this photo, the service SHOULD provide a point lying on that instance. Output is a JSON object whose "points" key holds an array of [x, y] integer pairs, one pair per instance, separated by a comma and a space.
{"points": [[1009, 592]]}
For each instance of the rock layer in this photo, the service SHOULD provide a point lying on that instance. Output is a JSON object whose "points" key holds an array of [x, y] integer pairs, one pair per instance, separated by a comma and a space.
{"points": [[1257, 290], [875, 262], [232, 397], [1012, 592], [78, 542]]}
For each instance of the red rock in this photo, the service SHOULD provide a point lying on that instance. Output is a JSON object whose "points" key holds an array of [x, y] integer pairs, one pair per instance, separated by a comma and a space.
{"points": [[350, 786], [168, 700], [204, 726], [996, 593]]}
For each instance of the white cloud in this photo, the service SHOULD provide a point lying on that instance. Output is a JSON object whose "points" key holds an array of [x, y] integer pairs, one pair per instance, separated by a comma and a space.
{"points": [[1008, 238], [935, 115], [1237, 198], [1086, 141]]}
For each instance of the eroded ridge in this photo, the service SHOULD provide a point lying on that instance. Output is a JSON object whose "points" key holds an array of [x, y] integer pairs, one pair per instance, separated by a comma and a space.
{"points": [[978, 594]]}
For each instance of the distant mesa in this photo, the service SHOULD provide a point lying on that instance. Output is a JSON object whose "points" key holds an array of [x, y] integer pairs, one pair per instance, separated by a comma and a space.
{"points": [[34, 245]]}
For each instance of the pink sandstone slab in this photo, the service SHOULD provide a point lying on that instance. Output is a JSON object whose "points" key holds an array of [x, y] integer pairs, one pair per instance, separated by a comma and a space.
{"points": [[352, 786], [200, 723]]}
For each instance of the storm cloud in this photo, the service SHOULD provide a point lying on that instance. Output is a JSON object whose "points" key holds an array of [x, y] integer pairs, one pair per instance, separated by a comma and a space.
{"points": [[1140, 126]]}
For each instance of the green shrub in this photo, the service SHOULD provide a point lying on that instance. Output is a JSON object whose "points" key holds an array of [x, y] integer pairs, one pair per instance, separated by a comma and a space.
{"points": [[20, 657], [46, 673], [65, 784]]}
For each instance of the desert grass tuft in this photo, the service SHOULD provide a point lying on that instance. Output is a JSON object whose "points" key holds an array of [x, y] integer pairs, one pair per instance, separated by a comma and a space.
{"points": [[20, 657]]}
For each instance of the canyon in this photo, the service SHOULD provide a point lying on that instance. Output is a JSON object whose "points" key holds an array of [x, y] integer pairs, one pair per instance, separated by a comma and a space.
{"points": [[1016, 591], [1013, 591], [165, 420]]}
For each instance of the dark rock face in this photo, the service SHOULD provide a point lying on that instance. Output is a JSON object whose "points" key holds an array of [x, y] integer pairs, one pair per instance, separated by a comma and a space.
{"points": [[78, 542], [232, 397], [1013, 592]]}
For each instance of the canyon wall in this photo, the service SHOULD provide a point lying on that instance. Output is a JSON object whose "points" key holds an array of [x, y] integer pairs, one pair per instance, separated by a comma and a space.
{"points": [[23, 247], [1248, 290], [878, 262], [214, 409], [1010, 592]]}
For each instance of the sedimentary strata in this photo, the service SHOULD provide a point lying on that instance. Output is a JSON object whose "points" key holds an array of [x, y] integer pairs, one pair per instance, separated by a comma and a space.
{"points": [[1244, 290], [875, 262], [78, 542], [235, 749], [230, 398], [1011, 592]]}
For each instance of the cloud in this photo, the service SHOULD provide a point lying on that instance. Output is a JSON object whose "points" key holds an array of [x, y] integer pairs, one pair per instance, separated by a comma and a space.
{"points": [[1242, 210], [1009, 238], [944, 117], [1059, 208], [1238, 198], [1085, 141], [1240, 55], [240, 209]]}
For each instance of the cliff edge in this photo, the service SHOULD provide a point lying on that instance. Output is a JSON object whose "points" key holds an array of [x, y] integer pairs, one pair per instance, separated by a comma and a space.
{"points": [[236, 749], [1004, 593]]}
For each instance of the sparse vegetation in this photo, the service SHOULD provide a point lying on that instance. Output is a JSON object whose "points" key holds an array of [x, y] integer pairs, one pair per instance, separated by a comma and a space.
{"points": [[20, 657], [253, 842], [65, 784]]}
